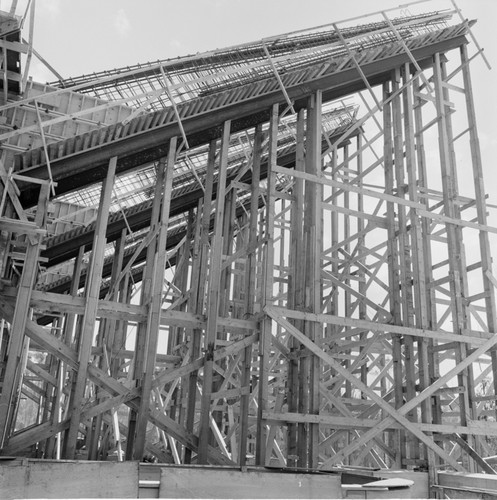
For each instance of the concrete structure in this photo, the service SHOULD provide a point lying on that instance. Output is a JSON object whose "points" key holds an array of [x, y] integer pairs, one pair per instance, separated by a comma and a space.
{"points": [[221, 259]]}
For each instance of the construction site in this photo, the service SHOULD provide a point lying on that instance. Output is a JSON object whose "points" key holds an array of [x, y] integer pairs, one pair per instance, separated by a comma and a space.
{"points": [[259, 271]]}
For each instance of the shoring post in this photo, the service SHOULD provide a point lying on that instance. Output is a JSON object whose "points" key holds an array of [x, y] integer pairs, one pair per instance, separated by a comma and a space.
{"points": [[428, 362], [92, 290], [154, 308], [267, 292], [415, 177], [250, 290], [393, 266], [199, 285], [313, 240], [455, 245], [481, 209], [213, 299], [139, 359], [12, 372]]}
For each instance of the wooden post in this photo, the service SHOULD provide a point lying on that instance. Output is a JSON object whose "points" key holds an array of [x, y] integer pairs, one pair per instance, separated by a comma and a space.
{"points": [[199, 285], [428, 362], [154, 308], [393, 266], [455, 248], [481, 210], [12, 374], [267, 291], [213, 299], [145, 299], [97, 447], [405, 263], [92, 291], [250, 290], [296, 288], [313, 238]]}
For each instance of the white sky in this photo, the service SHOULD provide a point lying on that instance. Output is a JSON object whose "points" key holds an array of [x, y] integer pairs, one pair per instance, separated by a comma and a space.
{"points": [[83, 36]]}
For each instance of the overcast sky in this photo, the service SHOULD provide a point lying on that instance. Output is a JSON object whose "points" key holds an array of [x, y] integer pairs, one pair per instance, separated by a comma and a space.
{"points": [[82, 36]]}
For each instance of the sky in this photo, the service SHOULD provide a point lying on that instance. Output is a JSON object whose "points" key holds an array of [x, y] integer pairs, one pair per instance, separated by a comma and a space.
{"points": [[82, 36]]}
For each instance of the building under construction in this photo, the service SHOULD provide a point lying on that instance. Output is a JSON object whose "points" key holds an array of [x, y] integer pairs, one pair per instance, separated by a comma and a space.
{"points": [[253, 259]]}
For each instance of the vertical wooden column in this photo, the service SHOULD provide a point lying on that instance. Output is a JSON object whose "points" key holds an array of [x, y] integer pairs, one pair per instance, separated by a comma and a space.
{"points": [[267, 291], [393, 266], [97, 447], [154, 308], [428, 362], [179, 337], [219, 416], [70, 319], [250, 289], [213, 297], [313, 238], [92, 291], [481, 209], [68, 336], [199, 285], [405, 265], [345, 280], [12, 373], [139, 358], [421, 298], [113, 340], [455, 248], [361, 245], [117, 340], [296, 290]]}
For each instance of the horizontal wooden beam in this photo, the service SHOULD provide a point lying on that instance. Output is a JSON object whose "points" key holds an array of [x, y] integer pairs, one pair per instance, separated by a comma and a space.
{"points": [[478, 339], [474, 427]]}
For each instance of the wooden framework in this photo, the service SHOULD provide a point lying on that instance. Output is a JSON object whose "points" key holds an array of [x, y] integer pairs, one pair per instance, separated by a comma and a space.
{"points": [[328, 303]]}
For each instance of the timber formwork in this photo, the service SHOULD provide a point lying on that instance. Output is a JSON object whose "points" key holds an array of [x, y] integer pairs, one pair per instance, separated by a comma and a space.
{"points": [[272, 254]]}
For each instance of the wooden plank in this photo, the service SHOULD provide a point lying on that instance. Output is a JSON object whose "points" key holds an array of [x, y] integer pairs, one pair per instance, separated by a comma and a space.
{"points": [[349, 187], [351, 422], [42, 337], [32, 435], [457, 222], [15, 46], [386, 327]]}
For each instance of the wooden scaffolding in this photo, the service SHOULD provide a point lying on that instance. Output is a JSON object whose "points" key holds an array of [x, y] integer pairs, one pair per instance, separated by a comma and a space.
{"points": [[273, 254]]}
